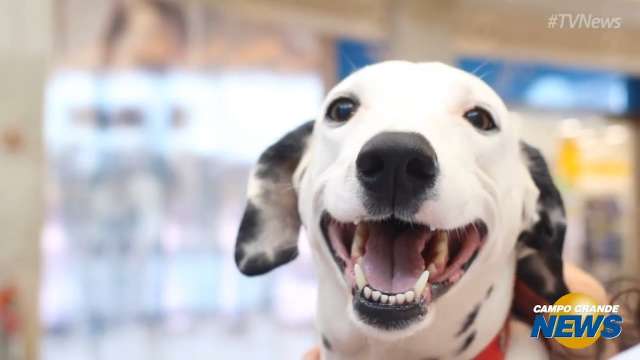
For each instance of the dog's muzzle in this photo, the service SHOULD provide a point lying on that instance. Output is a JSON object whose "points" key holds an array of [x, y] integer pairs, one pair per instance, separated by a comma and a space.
{"points": [[396, 170], [395, 264]]}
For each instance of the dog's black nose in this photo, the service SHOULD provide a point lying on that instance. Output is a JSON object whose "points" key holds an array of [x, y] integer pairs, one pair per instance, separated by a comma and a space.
{"points": [[396, 169]]}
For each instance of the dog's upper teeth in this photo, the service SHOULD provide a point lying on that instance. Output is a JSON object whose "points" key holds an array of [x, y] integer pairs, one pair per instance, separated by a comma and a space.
{"points": [[384, 298], [359, 239], [361, 280], [421, 283], [441, 249], [375, 295]]}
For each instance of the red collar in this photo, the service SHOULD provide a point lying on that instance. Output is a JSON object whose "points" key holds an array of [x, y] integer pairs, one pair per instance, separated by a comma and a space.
{"points": [[497, 347]]}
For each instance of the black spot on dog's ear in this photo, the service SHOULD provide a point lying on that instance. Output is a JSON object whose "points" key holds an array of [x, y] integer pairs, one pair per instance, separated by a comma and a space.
{"points": [[249, 226], [268, 232], [258, 264], [326, 343], [540, 265], [543, 275], [467, 342], [549, 231], [468, 321], [278, 162]]}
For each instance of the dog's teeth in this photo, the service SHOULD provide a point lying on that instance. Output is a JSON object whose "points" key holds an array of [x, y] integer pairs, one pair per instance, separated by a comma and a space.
{"points": [[361, 280], [375, 295], [410, 296], [384, 298], [392, 299], [359, 238], [432, 268], [421, 283], [442, 249], [355, 248], [367, 292], [400, 298]]}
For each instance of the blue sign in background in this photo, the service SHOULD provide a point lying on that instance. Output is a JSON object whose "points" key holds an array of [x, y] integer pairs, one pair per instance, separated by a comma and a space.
{"points": [[531, 84]]}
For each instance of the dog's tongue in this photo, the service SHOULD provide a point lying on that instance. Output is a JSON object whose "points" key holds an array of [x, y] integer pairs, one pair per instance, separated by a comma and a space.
{"points": [[393, 260]]}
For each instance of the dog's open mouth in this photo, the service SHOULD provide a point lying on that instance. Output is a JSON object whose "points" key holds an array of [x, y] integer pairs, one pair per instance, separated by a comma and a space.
{"points": [[396, 268]]}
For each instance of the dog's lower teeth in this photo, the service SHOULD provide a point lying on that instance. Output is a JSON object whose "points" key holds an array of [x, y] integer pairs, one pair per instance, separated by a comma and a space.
{"points": [[378, 296], [367, 292], [400, 298], [409, 295]]}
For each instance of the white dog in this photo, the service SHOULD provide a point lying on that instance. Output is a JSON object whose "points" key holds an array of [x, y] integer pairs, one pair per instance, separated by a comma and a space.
{"points": [[424, 210]]}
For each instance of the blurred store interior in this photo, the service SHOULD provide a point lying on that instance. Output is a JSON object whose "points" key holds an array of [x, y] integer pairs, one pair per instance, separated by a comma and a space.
{"points": [[138, 121]]}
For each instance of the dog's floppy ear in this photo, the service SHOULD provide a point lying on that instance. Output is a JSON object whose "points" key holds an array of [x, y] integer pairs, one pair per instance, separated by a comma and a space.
{"points": [[540, 244], [268, 234]]}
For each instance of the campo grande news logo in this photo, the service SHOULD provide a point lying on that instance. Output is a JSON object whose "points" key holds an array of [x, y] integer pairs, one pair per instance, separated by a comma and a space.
{"points": [[577, 321]]}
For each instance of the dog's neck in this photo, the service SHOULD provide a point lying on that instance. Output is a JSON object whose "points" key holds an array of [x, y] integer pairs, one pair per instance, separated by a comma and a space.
{"points": [[475, 312]]}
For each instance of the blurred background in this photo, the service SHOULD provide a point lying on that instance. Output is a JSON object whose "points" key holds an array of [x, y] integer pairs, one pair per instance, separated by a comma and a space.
{"points": [[128, 129]]}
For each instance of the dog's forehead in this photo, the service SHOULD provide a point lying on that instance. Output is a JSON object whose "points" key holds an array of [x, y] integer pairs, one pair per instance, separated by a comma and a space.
{"points": [[418, 83]]}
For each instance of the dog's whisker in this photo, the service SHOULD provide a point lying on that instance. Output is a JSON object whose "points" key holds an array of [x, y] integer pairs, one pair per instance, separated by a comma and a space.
{"points": [[479, 67], [485, 74], [349, 61]]}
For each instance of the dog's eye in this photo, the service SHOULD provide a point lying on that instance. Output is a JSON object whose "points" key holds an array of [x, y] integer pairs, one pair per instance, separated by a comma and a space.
{"points": [[480, 119], [341, 109]]}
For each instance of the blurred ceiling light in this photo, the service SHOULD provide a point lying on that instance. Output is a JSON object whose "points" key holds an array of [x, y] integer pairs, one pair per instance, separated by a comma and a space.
{"points": [[616, 134], [570, 127]]}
